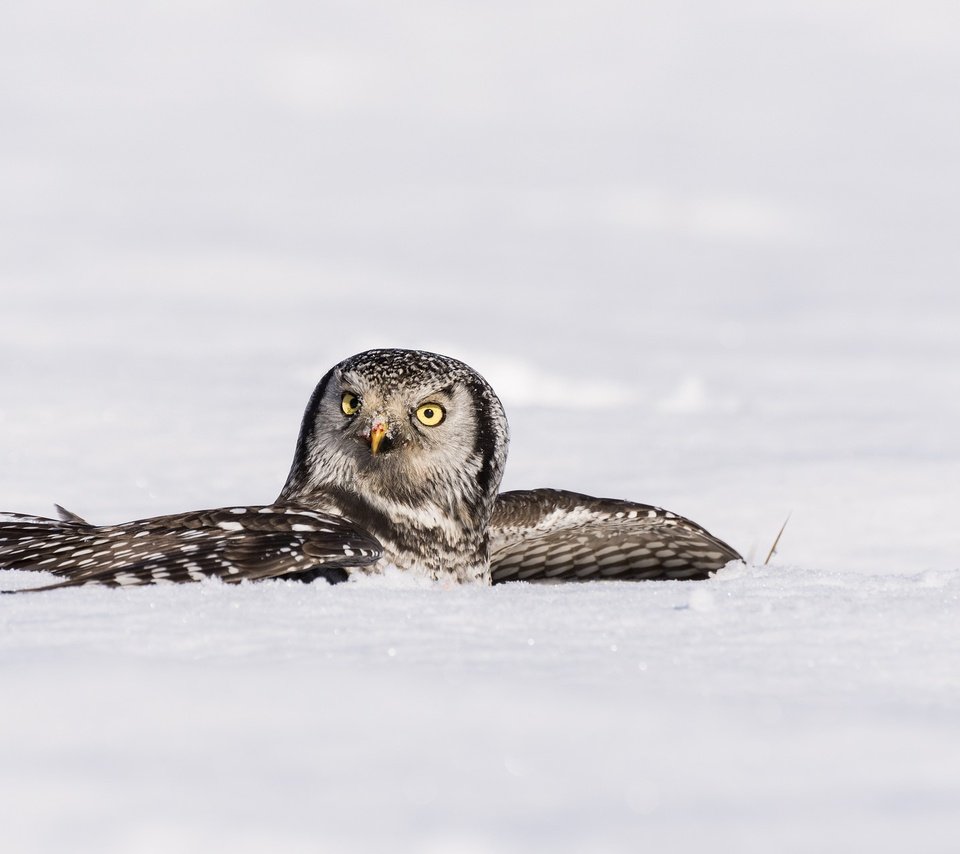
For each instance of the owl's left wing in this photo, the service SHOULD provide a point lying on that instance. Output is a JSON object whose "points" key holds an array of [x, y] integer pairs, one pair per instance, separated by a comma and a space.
{"points": [[553, 535]]}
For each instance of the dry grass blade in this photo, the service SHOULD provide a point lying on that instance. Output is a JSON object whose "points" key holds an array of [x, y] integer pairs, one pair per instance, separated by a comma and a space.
{"points": [[776, 542]]}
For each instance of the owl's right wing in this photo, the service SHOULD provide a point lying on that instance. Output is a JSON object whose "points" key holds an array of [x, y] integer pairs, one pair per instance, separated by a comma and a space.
{"points": [[232, 543], [553, 535]]}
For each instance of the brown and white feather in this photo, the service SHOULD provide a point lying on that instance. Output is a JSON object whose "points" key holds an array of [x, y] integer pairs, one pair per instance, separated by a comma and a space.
{"points": [[554, 535], [232, 543]]}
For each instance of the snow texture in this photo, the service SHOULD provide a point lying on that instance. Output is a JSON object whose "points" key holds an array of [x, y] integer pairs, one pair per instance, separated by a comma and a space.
{"points": [[706, 253]]}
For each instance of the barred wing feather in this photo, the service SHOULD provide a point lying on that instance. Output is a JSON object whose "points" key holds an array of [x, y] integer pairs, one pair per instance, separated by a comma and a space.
{"points": [[553, 535], [233, 543]]}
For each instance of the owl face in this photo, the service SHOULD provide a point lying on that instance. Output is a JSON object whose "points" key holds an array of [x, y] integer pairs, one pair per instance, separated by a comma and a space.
{"points": [[399, 433], [400, 425]]}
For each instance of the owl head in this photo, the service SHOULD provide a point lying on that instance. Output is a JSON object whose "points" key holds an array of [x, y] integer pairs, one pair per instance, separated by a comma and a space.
{"points": [[402, 429]]}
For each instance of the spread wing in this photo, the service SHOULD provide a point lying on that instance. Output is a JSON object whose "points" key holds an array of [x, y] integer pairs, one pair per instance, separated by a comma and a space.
{"points": [[233, 543], [552, 535]]}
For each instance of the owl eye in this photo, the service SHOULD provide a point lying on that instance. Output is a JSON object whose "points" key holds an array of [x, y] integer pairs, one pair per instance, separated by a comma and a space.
{"points": [[430, 414], [350, 403]]}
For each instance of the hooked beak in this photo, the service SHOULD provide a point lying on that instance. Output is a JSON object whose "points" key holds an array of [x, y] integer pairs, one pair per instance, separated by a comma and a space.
{"points": [[377, 433]]}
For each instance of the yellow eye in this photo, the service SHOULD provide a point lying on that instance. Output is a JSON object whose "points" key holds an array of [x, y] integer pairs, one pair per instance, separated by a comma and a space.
{"points": [[430, 414], [350, 403]]}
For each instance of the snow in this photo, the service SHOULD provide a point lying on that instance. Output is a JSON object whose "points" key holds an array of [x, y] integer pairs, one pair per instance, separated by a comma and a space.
{"points": [[707, 256], [766, 709]]}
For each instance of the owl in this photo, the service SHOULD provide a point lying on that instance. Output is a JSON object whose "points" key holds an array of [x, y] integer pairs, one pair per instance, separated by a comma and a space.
{"points": [[398, 463]]}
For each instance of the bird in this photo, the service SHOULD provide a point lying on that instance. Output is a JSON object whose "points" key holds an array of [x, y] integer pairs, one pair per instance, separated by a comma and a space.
{"points": [[398, 463]]}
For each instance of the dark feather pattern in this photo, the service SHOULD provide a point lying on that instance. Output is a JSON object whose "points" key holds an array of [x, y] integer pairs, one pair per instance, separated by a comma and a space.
{"points": [[233, 544], [552, 535]]}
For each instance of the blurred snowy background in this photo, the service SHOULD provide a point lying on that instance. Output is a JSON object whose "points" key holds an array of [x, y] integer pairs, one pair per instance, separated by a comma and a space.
{"points": [[707, 253]]}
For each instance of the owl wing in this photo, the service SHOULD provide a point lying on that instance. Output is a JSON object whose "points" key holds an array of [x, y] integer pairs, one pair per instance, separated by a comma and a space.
{"points": [[552, 535], [233, 544]]}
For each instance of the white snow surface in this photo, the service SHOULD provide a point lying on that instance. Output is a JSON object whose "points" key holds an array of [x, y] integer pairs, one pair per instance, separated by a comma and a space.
{"points": [[706, 253]]}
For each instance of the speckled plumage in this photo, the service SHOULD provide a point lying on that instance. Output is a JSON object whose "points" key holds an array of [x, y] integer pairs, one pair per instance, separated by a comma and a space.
{"points": [[429, 497], [398, 462]]}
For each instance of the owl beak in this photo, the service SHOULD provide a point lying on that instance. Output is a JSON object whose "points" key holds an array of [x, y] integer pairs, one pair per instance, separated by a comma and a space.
{"points": [[377, 433]]}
